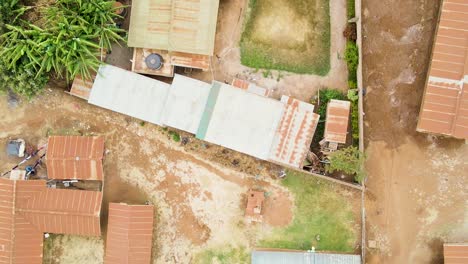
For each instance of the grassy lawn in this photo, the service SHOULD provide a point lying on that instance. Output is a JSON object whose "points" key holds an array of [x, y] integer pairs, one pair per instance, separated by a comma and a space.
{"points": [[225, 255], [319, 210], [287, 35]]}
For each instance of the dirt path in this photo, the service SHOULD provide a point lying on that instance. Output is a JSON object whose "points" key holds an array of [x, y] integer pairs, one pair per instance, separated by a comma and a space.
{"points": [[227, 60], [417, 196], [199, 203]]}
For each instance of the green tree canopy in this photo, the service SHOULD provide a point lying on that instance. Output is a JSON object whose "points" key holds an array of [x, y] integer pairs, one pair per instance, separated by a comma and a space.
{"points": [[349, 160]]}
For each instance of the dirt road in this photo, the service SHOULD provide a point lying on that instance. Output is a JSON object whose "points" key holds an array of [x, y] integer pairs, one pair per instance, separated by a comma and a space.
{"points": [[417, 196]]}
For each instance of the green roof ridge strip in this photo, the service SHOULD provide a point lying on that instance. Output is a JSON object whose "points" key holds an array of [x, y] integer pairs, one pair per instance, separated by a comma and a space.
{"points": [[208, 112]]}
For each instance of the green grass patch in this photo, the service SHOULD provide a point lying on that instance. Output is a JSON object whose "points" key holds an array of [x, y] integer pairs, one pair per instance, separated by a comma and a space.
{"points": [[319, 210], [227, 255], [351, 9], [287, 35], [175, 136]]}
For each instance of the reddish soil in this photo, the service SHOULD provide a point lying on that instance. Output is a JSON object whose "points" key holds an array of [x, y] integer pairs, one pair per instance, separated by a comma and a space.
{"points": [[416, 190]]}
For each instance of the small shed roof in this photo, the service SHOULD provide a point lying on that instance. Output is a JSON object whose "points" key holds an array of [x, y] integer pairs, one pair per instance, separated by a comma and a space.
{"points": [[129, 93], [174, 25], [240, 120], [444, 109], [75, 157], [81, 88], [129, 234], [28, 209], [336, 126], [302, 257], [455, 253], [254, 206], [185, 103], [294, 134]]}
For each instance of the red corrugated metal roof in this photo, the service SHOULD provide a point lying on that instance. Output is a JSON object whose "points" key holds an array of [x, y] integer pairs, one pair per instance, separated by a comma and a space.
{"points": [[456, 253], [445, 105], [82, 88], [28, 209], [336, 126], [75, 157], [254, 205], [294, 133], [129, 234]]}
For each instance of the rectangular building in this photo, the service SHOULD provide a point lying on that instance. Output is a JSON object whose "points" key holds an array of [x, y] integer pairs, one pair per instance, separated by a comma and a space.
{"points": [[444, 109], [75, 157], [129, 234]]}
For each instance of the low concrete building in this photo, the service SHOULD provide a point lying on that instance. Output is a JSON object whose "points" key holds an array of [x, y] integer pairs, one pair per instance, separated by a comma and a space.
{"points": [[272, 256], [129, 93]]}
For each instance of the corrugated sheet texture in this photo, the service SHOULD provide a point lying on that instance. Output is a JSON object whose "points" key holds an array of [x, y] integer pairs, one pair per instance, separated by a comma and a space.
{"points": [[129, 93], [29, 209], [81, 88], [445, 104], [185, 103], [243, 121], [129, 234], [255, 203], [456, 253], [250, 87], [336, 126], [294, 133], [175, 25], [75, 157], [298, 257]]}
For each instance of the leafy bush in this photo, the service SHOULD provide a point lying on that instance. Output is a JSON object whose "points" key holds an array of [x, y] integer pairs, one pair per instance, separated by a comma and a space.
{"points": [[348, 160], [175, 136], [354, 98], [325, 95], [21, 81], [352, 60], [10, 10], [69, 44]]}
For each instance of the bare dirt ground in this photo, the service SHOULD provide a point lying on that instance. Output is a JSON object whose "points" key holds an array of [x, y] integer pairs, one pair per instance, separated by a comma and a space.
{"points": [[200, 204], [226, 64], [416, 197]]}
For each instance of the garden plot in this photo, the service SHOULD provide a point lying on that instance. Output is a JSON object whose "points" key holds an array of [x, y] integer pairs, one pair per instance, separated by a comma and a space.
{"points": [[292, 36]]}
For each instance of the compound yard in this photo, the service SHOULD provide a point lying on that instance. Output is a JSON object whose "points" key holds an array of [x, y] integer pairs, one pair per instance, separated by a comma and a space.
{"points": [[200, 202], [287, 35]]}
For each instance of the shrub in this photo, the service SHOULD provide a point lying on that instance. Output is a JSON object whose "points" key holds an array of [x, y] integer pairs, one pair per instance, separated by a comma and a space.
{"points": [[21, 81], [354, 98], [68, 44], [175, 136], [350, 32], [348, 160], [352, 60]]}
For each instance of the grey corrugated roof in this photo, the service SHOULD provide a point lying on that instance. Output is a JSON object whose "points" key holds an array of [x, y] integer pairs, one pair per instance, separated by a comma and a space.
{"points": [[299, 257]]}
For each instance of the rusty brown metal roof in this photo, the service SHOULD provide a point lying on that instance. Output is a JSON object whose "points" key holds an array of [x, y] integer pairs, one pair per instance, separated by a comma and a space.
{"points": [[445, 104], [456, 253], [129, 234], [28, 209], [253, 211], [75, 157], [294, 133], [336, 126], [82, 88]]}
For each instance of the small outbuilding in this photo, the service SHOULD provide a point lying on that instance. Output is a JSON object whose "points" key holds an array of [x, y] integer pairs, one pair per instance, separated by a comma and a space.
{"points": [[129, 234], [455, 253], [253, 211]]}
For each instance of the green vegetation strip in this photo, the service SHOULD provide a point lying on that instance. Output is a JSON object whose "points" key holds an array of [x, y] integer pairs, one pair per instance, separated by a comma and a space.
{"points": [[322, 217], [226, 255], [304, 47]]}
